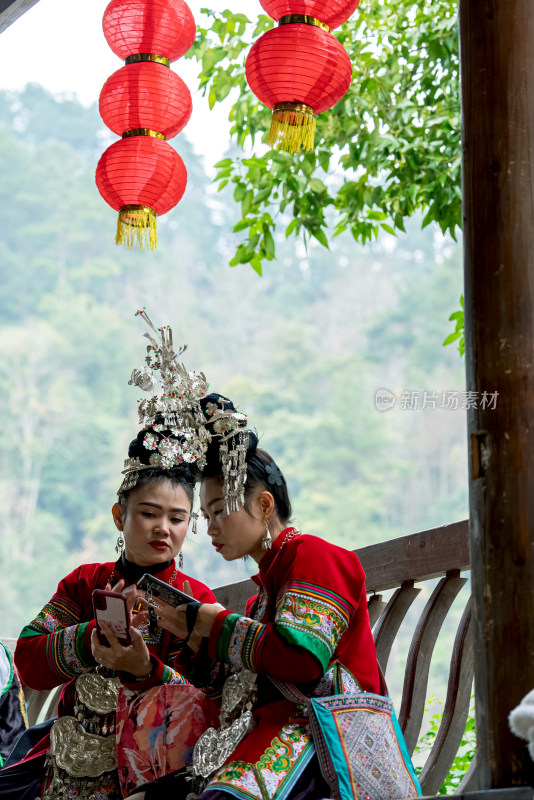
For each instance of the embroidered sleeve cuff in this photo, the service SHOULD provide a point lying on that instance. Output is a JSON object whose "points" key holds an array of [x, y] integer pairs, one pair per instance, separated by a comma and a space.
{"points": [[216, 634], [307, 641], [85, 632], [161, 673]]}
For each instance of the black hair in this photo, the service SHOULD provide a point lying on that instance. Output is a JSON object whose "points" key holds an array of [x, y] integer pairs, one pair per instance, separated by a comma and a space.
{"points": [[264, 473], [184, 474], [262, 470]]}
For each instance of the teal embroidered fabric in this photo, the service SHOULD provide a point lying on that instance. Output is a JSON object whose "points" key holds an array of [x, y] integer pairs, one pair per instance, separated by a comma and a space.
{"points": [[361, 748]]}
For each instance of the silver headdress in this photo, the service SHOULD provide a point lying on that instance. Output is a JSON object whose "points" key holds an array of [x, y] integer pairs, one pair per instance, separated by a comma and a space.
{"points": [[181, 419]]}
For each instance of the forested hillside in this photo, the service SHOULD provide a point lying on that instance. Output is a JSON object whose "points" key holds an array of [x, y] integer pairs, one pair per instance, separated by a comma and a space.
{"points": [[302, 351]]}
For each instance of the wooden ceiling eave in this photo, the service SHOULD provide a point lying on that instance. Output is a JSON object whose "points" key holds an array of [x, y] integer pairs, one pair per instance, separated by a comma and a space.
{"points": [[10, 10]]}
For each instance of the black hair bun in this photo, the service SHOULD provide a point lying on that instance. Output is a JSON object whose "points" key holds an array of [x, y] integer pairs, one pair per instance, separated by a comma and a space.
{"points": [[224, 403]]}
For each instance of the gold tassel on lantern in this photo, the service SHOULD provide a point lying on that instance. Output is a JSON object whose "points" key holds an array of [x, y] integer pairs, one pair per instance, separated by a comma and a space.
{"points": [[137, 226], [292, 127]]}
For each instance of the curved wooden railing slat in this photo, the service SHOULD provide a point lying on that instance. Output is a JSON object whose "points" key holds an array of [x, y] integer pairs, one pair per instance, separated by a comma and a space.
{"points": [[469, 782], [391, 620], [375, 607], [456, 709], [420, 656]]}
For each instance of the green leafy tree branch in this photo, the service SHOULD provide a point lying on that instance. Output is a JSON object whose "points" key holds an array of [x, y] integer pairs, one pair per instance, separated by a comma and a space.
{"points": [[389, 148]]}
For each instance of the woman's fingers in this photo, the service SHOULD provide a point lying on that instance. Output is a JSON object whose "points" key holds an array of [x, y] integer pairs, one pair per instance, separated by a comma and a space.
{"points": [[138, 643], [97, 649], [187, 588], [140, 618], [107, 630]]}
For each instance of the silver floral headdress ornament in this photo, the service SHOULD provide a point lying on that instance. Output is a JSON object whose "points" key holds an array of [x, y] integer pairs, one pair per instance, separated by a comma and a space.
{"points": [[180, 419]]}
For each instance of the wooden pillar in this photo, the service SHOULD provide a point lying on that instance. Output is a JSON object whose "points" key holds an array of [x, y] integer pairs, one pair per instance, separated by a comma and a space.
{"points": [[497, 67]]}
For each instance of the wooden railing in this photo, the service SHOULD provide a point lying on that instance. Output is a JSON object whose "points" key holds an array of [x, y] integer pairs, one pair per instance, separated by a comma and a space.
{"points": [[396, 567]]}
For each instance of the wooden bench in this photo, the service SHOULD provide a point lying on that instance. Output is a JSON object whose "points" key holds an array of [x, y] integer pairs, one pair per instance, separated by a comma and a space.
{"points": [[395, 567]]}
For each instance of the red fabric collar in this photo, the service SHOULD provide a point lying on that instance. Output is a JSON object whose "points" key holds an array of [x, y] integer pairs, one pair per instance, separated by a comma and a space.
{"points": [[270, 555]]}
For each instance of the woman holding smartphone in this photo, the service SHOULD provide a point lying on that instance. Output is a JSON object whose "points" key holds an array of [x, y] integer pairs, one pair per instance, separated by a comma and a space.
{"points": [[60, 645], [308, 624]]}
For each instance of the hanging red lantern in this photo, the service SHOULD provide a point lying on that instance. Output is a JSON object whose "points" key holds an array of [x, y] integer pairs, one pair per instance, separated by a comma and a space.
{"points": [[140, 177], [300, 69], [145, 96], [165, 27], [333, 13]]}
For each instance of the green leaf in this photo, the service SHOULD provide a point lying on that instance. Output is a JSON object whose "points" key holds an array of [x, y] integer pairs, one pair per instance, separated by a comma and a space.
{"points": [[292, 226], [268, 243], [320, 235], [451, 338], [317, 185]]}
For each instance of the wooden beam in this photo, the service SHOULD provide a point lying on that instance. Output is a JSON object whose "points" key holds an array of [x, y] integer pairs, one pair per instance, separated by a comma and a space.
{"points": [[10, 10], [418, 556], [497, 67]]}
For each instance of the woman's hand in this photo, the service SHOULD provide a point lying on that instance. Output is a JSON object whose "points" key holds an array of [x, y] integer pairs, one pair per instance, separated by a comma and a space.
{"points": [[134, 659], [173, 618], [131, 593]]}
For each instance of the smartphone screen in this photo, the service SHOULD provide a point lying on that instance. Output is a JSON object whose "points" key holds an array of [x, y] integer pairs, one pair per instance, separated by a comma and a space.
{"points": [[111, 607]]}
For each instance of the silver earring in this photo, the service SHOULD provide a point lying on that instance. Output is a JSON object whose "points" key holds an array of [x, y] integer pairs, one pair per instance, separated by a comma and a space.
{"points": [[267, 539], [180, 561], [119, 547], [194, 517]]}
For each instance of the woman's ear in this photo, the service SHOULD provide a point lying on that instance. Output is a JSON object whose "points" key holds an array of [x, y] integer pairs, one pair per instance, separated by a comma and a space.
{"points": [[266, 501], [118, 516]]}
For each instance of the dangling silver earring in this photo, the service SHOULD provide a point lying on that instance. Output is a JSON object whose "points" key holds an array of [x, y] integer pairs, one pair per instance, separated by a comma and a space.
{"points": [[119, 547], [267, 539], [180, 561], [194, 517]]}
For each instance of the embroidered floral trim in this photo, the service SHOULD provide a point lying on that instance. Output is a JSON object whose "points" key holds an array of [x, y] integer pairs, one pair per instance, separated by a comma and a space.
{"points": [[275, 773], [313, 617], [63, 653], [171, 676], [245, 643], [60, 612]]}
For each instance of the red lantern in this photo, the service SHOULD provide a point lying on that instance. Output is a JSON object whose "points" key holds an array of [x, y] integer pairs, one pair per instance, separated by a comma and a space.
{"points": [[333, 13], [145, 96], [298, 71], [140, 177], [165, 27]]}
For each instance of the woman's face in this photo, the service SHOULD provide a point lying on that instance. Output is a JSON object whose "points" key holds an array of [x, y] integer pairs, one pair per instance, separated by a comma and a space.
{"points": [[155, 523], [237, 534]]}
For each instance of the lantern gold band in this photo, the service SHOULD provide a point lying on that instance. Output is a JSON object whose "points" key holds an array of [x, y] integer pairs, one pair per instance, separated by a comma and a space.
{"points": [[298, 107], [306, 19], [148, 57], [143, 132]]}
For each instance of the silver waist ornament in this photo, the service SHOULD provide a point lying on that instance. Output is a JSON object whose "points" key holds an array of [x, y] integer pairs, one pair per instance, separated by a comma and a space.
{"points": [[215, 746], [79, 753], [82, 757]]}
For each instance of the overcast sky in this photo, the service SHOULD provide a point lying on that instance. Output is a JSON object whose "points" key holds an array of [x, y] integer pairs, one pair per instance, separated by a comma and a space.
{"points": [[60, 44]]}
